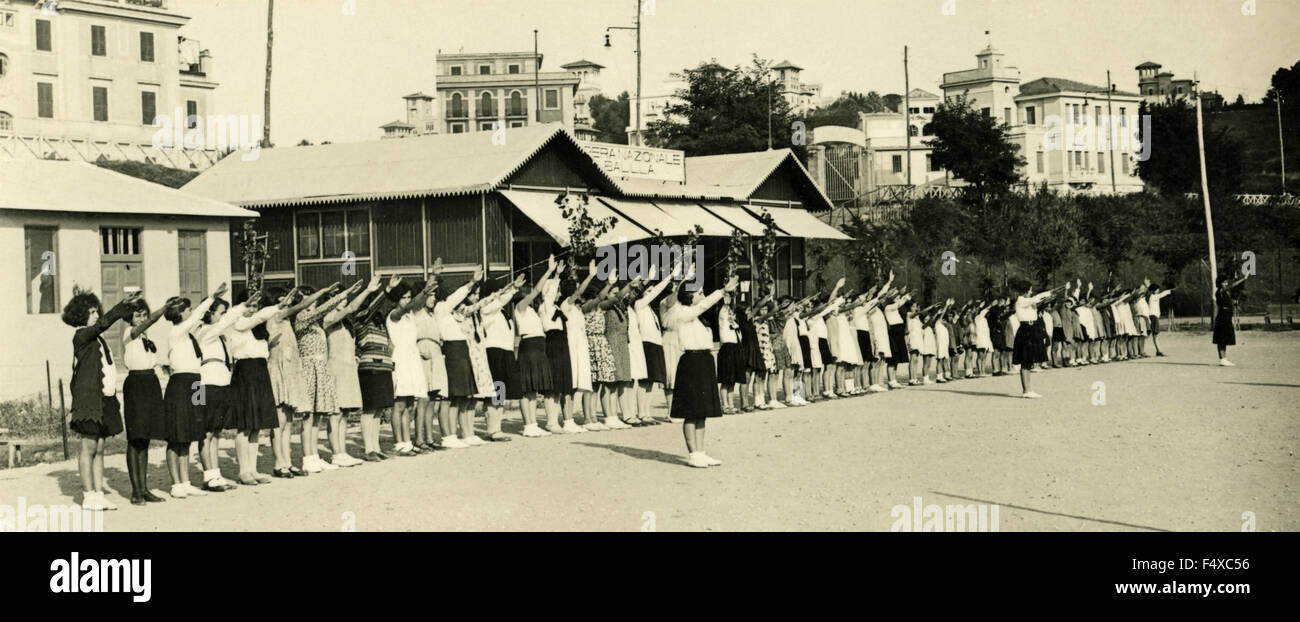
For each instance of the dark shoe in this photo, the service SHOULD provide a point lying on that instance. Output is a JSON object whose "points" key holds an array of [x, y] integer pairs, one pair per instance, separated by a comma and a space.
{"points": [[370, 457], [499, 437], [151, 498], [137, 499], [282, 473], [297, 472], [381, 455], [210, 487]]}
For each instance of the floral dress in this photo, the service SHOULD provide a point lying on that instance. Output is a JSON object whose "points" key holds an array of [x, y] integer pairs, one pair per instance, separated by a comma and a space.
{"points": [[602, 359], [765, 346], [285, 367], [313, 351], [478, 360]]}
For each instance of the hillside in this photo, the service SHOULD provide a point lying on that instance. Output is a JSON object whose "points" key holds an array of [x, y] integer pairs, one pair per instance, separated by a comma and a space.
{"points": [[1256, 126]]}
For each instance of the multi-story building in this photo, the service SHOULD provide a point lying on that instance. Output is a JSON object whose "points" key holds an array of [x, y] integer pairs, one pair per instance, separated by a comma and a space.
{"points": [[801, 96], [83, 79], [476, 92], [1070, 135], [1158, 86], [893, 159]]}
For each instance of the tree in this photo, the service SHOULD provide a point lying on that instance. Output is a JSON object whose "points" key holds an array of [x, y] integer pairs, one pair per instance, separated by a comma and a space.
{"points": [[892, 101], [610, 117], [1173, 167], [975, 148], [725, 111], [846, 108], [1286, 82]]}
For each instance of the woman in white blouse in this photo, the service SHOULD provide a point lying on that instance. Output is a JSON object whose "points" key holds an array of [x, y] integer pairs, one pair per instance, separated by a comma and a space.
{"points": [[181, 402], [695, 398]]}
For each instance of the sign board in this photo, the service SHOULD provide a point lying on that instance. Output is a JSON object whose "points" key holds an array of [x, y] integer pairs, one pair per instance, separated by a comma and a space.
{"points": [[631, 162]]}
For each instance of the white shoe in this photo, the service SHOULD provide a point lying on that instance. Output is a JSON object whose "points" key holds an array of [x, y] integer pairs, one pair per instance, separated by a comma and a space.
{"points": [[774, 404], [93, 501], [312, 464], [179, 491], [546, 432], [698, 460], [572, 427], [1030, 395], [927, 381], [595, 427], [344, 460], [875, 388], [474, 440], [452, 442], [555, 429], [196, 492], [893, 384], [613, 423], [1226, 363], [331, 467], [711, 460], [532, 431]]}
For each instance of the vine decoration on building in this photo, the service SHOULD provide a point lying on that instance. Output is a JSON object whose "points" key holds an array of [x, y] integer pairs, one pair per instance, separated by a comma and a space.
{"points": [[255, 247], [766, 249], [583, 229]]}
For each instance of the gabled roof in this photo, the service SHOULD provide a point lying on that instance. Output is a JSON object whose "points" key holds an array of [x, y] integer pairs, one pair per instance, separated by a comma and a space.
{"points": [[581, 63], [397, 125], [418, 166], [419, 95], [921, 94], [1148, 65], [734, 176], [63, 186], [1047, 85]]}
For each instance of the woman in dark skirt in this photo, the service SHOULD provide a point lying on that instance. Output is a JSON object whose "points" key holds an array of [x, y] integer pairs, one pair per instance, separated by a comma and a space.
{"points": [[374, 351], [461, 387], [181, 404], [218, 396], [751, 356], [731, 358], [656, 368], [534, 367], [96, 414], [695, 388], [250, 382], [1029, 347], [142, 399], [560, 400], [1225, 304]]}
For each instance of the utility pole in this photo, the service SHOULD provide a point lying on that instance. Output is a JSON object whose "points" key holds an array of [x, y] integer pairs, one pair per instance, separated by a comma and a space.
{"points": [[907, 117], [637, 3], [537, 80], [1281, 147], [1110, 123], [1205, 189], [266, 95], [768, 76]]}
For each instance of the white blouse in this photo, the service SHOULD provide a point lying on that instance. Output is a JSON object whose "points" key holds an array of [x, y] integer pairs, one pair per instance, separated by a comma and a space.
{"points": [[134, 354], [692, 334], [180, 348], [240, 340], [448, 323], [528, 323], [215, 367]]}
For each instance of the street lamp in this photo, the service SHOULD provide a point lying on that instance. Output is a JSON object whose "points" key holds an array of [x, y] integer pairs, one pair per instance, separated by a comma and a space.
{"points": [[637, 28]]}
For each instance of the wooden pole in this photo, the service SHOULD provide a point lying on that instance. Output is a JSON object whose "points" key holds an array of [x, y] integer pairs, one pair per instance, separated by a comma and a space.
{"points": [[1205, 197], [907, 117], [266, 93], [63, 420]]}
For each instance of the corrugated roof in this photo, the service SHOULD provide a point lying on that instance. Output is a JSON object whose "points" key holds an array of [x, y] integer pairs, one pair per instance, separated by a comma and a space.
{"points": [[62, 186], [731, 176], [419, 166]]}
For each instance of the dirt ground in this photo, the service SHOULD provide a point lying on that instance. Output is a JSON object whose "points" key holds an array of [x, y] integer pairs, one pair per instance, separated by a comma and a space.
{"points": [[1180, 445]]}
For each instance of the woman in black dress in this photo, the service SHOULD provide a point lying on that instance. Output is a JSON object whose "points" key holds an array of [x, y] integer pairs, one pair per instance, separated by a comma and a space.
{"points": [[695, 393], [1225, 304]]}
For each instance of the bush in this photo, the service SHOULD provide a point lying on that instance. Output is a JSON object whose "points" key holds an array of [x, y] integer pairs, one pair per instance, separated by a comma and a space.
{"points": [[30, 417]]}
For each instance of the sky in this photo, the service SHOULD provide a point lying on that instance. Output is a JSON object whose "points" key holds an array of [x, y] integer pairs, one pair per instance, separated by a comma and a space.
{"points": [[341, 66]]}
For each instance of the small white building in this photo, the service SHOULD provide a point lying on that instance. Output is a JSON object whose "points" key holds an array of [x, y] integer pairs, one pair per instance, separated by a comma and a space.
{"points": [[73, 223]]}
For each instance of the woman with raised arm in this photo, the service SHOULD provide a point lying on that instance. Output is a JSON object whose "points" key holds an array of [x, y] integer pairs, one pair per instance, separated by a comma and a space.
{"points": [[696, 397], [250, 382], [580, 358], [461, 386], [286, 376], [880, 337], [559, 402], [218, 396], [602, 357], [731, 360], [409, 380], [535, 378], [759, 314], [618, 335], [96, 413], [431, 407], [898, 353], [789, 322], [1028, 349], [778, 378], [672, 348], [181, 399], [342, 363], [1225, 306], [1153, 307], [142, 402], [318, 384], [497, 336], [374, 363], [652, 342]]}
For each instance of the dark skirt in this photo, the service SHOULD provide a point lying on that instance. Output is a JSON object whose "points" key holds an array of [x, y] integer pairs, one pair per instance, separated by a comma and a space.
{"points": [[806, 348], [898, 344], [824, 347], [751, 354], [1028, 349], [864, 345], [142, 406], [1058, 333], [254, 400], [534, 368], [557, 353], [218, 408], [460, 374], [656, 370], [1224, 333], [108, 425], [695, 387], [1155, 324], [1108, 322], [731, 365], [185, 422], [505, 369], [376, 390]]}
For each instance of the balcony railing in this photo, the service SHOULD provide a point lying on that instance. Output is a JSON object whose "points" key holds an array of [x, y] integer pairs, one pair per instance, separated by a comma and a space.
{"points": [[486, 113], [153, 4]]}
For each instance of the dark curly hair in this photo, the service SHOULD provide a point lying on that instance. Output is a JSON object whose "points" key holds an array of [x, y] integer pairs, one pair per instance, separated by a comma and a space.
{"points": [[77, 312], [217, 304], [176, 307]]}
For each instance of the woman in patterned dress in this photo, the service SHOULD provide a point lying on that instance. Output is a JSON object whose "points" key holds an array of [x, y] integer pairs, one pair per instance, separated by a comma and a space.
{"points": [[602, 357], [580, 359], [318, 384]]}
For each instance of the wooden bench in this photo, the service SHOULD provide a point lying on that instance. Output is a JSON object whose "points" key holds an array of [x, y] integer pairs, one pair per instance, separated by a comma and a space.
{"points": [[15, 446]]}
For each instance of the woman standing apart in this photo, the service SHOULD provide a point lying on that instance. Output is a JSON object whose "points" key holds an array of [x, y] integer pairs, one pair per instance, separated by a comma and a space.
{"points": [[696, 396], [1225, 305]]}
